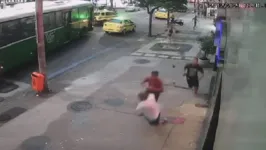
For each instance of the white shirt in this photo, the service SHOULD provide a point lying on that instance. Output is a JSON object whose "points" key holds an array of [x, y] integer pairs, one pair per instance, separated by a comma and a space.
{"points": [[149, 108]]}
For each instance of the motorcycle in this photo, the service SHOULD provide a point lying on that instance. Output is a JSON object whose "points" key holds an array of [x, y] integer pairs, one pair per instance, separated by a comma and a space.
{"points": [[178, 21]]}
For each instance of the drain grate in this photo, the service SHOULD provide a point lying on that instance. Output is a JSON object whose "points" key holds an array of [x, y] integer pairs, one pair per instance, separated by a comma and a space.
{"points": [[171, 47], [11, 114], [36, 143], [80, 106], [142, 61], [114, 102], [6, 87]]}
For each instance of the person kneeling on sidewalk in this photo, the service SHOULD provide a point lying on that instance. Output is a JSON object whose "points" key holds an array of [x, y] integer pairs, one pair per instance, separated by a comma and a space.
{"points": [[150, 109]]}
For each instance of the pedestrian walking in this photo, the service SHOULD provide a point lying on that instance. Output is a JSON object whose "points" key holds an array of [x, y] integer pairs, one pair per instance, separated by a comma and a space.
{"points": [[151, 110], [195, 20], [155, 84], [191, 72]]}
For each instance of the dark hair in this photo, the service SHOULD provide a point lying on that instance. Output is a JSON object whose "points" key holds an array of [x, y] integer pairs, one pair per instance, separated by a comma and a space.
{"points": [[155, 73]]}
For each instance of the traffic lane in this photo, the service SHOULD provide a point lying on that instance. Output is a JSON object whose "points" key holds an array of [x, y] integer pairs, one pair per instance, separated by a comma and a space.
{"points": [[72, 53]]}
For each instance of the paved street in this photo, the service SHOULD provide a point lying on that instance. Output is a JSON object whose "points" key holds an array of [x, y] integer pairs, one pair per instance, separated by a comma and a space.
{"points": [[96, 111], [95, 83]]}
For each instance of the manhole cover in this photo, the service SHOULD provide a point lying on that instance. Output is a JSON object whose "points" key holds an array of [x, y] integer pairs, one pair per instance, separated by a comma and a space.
{"points": [[80, 106], [6, 87], [114, 102], [172, 47], [36, 143], [11, 114], [142, 61]]}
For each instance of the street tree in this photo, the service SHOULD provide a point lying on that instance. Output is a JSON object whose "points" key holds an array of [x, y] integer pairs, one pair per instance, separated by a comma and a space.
{"points": [[173, 6], [112, 3], [152, 5]]}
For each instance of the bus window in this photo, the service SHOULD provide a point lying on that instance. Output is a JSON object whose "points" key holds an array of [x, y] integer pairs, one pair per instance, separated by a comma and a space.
{"points": [[11, 31], [28, 27], [90, 15], [59, 19], [49, 21], [74, 15], [83, 13], [2, 39], [66, 18]]}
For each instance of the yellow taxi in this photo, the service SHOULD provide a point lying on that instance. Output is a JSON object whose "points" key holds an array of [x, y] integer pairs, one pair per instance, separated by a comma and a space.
{"points": [[162, 14], [101, 16], [119, 25]]}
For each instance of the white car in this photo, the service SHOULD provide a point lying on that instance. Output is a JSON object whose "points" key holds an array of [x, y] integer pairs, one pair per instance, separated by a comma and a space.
{"points": [[131, 8]]}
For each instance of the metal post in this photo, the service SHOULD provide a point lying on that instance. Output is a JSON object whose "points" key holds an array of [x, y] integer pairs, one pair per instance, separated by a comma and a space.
{"points": [[198, 8], [195, 6], [40, 40]]}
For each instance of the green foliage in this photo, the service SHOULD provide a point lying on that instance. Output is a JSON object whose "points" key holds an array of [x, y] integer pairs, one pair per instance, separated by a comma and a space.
{"points": [[207, 44], [171, 5]]}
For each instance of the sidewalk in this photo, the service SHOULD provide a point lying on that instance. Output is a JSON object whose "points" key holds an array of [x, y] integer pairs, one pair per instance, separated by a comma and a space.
{"points": [[204, 26], [97, 112], [184, 44]]}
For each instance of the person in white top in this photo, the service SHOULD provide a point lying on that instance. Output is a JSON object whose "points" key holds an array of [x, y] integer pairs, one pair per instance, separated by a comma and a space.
{"points": [[150, 109]]}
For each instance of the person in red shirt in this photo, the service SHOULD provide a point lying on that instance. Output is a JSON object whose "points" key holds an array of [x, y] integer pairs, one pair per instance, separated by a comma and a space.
{"points": [[155, 84]]}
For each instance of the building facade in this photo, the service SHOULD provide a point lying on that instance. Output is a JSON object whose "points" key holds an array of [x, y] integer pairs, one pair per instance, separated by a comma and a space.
{"points": [[241, 98]]}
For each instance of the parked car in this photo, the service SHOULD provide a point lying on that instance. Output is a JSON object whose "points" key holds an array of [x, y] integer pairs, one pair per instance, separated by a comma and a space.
{"points": [[131, 8]]}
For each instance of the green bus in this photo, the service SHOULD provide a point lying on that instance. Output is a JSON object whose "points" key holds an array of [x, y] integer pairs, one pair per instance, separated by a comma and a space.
{"points": [[64, 21]]}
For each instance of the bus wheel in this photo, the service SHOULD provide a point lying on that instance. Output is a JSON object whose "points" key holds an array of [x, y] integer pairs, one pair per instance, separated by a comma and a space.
{"points": [[82, 32], [107, 32]]}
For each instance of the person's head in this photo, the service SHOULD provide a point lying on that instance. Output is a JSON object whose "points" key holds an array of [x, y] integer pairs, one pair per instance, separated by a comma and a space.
{"points": [[155, 73], [195, 61]]}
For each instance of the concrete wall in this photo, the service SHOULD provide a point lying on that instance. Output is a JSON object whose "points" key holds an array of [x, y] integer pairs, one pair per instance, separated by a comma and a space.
{"points": [[242, 120]]}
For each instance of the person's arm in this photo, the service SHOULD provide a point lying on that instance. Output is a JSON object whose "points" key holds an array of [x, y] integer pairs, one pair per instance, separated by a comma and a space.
{"points": [[145, 80], [185, 70]]}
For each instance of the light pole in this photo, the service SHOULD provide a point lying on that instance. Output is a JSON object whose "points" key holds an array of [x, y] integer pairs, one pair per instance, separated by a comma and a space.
{"points": [[40, 41]]}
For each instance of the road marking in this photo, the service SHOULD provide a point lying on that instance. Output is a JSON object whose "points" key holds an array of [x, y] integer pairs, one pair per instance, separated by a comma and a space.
{"points": [[150, 55], [176, 57], [163, 56], [141, 39], [137, 54]]}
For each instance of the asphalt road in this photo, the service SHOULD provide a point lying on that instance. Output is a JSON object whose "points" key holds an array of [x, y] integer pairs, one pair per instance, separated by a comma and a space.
{"points": [[97, 43]]}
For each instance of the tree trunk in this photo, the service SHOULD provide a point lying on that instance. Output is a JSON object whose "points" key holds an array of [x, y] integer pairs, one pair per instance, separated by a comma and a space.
{"points": [[168, 18], [150, 24], [112, 4]]}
